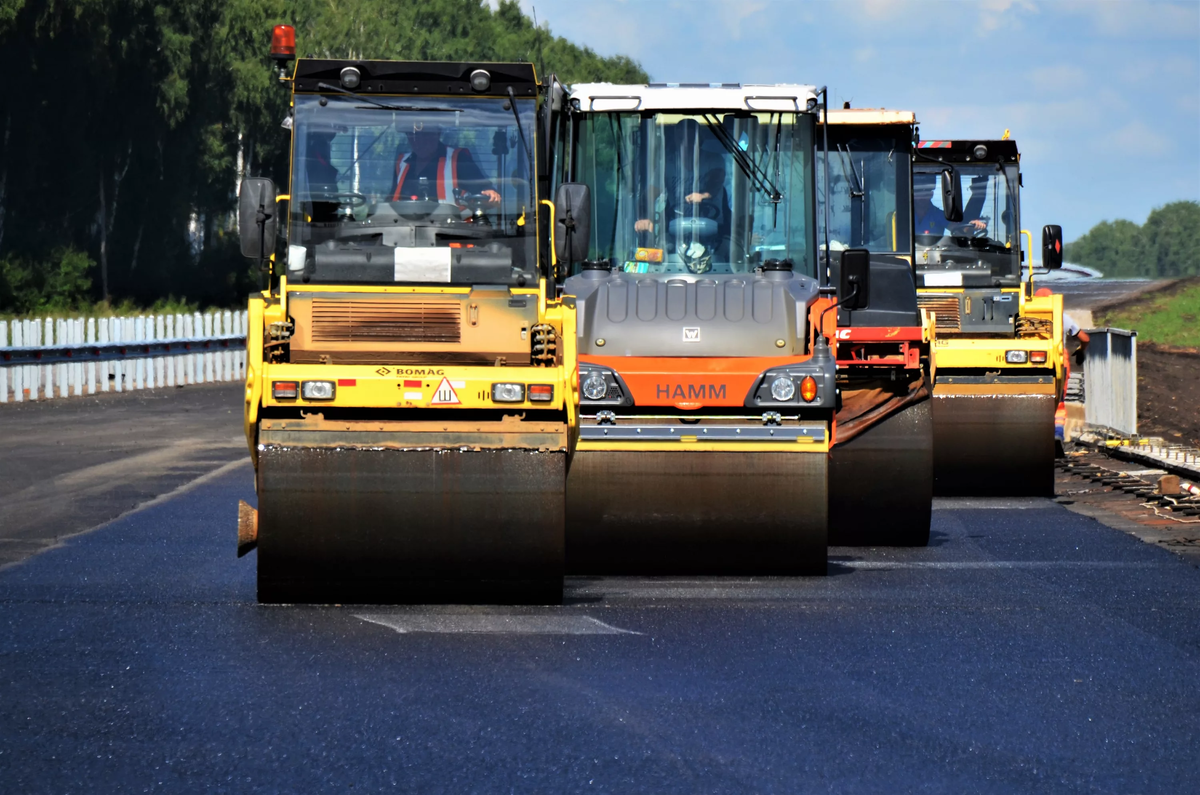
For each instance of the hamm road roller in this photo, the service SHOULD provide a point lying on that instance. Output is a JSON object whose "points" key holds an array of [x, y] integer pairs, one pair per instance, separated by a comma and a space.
{"points": [[881, 475], [707, 382], [409, 393], [999, 349]]}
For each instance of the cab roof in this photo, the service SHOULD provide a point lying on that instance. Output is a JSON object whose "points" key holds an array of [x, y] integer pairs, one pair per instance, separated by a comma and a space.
{"points": [[870, 116], [963, 151], [781, 97], [417, 78]]}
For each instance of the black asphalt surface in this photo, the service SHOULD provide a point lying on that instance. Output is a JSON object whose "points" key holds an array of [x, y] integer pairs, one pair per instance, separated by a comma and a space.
{"points": [[1096, 293], [1027, 650], [69, 464]]}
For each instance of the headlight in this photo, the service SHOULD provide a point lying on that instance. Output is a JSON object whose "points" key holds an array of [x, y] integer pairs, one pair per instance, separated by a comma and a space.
{"points": [[508, 393], [783, 388], [317, 390], [808, 389], [594, 386], [284, 390], [1016, 357]]}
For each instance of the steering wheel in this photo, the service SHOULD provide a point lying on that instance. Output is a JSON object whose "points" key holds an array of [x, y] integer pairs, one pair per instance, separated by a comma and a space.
{"points": [[968, 229], [348, 197]]}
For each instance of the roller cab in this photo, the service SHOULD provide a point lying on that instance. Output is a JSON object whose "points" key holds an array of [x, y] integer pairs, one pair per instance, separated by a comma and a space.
{"points": [[881, 476], [707, 384], [999, 349], [410, 397]]}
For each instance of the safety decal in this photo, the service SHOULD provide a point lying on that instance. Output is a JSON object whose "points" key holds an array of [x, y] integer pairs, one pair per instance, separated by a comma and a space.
{"points": [[445, 395]]}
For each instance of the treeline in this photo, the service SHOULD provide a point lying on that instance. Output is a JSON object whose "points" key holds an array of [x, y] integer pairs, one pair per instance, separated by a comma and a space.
{"points": [[125, 125], [1166, 246]]}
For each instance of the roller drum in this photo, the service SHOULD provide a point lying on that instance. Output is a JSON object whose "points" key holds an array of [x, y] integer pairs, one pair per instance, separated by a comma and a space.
{"points": [[394, 526], [697, 512], [993, 445], [881, 482]]}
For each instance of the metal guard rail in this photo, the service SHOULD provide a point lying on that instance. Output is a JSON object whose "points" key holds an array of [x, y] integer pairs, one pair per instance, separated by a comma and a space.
{"points": [[114, 351]]}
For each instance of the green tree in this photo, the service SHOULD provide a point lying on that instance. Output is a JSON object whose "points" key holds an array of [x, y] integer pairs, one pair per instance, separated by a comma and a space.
{"points": [[1167, 245]]}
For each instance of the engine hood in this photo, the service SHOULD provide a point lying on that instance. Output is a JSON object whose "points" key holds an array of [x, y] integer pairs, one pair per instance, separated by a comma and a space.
{"points": [[753, 314]]}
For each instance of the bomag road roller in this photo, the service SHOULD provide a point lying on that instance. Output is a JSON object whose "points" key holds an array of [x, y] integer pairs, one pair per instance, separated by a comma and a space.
{"points": [[999, 350], [707, 383], [881, 475], [409, 403]]}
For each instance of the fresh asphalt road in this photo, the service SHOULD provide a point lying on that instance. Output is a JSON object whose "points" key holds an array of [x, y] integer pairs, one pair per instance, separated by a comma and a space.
{"points": [[1028, 649]]}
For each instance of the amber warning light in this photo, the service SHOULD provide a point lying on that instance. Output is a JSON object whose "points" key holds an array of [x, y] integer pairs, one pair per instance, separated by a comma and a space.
{"points": [[283, 43]]}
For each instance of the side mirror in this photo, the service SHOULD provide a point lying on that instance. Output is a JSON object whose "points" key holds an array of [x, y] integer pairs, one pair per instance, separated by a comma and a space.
{"points": [[257, 217], [572, 222], [952, 203], [854, 288], [1052, 247]]}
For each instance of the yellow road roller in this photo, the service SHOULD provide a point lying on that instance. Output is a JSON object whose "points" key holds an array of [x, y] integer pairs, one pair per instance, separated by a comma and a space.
{"points": [[706, 360], [999, 349], [409, 393]]}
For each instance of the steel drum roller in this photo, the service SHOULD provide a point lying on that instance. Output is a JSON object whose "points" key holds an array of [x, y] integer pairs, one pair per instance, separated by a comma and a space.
{"points": [[881, 482], [993, 444], [699, 512], [390, 526]]}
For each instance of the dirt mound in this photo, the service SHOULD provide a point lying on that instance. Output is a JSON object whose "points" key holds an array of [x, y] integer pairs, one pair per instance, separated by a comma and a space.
{"points": [[1169, 393]]}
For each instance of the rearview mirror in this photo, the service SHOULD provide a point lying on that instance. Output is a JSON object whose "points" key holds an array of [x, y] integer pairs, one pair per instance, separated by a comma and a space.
{"points": [[952, 203], [572, 222], [1052, 247], [854, 288], [257, 217]]}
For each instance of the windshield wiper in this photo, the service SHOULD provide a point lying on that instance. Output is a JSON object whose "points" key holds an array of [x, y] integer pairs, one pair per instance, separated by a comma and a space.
{"points": [[755, 174], [512, 104], [383, 105]]}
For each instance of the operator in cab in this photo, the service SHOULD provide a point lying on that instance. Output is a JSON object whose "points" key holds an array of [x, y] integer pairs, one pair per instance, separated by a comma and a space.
{"points": [[432, 170], [929, 219], [694, 170]]}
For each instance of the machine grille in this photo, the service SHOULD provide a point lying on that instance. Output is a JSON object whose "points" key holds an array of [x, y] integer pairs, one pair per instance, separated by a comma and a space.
{"points": [[385, 321], [945, 308]]}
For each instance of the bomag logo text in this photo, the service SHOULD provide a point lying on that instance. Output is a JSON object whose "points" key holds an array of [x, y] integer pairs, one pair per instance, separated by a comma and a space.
{"points": [[418, 371], [690, 391]]}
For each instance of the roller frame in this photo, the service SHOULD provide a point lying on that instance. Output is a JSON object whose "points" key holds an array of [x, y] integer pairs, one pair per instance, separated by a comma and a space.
{"points": [[640, 512]]}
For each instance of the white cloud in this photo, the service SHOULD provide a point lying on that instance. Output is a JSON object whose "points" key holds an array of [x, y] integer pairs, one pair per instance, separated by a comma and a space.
{"points": [[1139, 19], [1139, 137], [995, 13]]}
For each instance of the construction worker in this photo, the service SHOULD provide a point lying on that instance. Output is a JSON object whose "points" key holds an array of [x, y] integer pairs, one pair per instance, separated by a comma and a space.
{"points": [[432, 170], [928, 218], [1071, 330]]}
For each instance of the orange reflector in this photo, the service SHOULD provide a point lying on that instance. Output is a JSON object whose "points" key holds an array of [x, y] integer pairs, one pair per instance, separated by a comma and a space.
{"points": [[347, 382], [541, 392], [285, 390], [283, 43], [808, 389], [1037, 357]]}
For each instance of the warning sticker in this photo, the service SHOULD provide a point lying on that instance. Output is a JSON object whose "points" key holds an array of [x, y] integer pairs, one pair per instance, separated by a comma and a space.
{"points": [[445, 394]]}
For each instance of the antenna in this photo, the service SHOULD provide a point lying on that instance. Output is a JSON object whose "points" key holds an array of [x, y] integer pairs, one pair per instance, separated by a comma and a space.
{"points": [[538, 33]]}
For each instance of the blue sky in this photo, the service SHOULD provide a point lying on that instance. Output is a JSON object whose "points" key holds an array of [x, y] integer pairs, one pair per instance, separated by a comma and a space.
{"points": [[1103, 96]]}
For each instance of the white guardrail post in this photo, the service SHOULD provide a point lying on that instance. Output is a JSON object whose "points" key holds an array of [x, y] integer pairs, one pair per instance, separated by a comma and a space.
{"points": [[1110, 396], [56, 358]]}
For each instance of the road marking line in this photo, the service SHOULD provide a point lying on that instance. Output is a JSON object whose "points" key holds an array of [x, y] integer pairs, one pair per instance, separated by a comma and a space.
{"points": [[451, 624]]}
